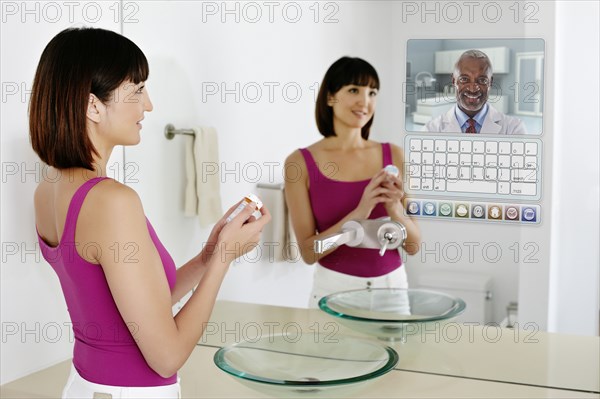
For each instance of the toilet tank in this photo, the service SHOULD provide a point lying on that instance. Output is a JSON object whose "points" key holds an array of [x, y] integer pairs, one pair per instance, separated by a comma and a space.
{"points": [[474, 289]]}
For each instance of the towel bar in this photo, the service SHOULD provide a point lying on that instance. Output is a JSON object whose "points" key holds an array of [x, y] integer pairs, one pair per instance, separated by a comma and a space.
{"points": [[170, 131], [270, 186]]}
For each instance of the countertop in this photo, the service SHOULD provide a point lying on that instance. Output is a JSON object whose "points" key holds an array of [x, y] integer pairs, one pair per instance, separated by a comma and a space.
{"points": [[449, 361]]}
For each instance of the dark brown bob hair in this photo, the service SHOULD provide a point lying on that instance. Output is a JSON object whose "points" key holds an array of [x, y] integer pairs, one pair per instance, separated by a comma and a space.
{"points": [[76, 63], [343, 72]]}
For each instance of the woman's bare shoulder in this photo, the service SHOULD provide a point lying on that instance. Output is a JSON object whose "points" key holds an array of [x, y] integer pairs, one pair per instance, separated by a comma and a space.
{"points": [[110, 195], [42, 192], [294, 157]]}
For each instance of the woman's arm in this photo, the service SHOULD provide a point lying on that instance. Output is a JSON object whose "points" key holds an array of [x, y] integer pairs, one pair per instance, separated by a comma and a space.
{"points": [[190, 274], [395, 208], [303, 220], [139, 287]]}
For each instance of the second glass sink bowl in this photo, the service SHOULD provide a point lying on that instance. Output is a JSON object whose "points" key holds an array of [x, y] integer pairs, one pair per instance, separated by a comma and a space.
{"points": [[391, 313], [309, 365]]}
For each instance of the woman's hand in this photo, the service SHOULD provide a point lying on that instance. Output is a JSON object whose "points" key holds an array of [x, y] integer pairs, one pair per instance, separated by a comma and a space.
{"points": [[375, 192], [240, 235], [211, 243], [395, 194]]}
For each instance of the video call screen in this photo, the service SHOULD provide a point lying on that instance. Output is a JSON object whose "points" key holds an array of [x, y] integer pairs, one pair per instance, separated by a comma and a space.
{"points": [[515, 91]]}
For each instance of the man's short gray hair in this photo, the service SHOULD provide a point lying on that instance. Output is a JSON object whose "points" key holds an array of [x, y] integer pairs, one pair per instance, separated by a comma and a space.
{"points": [[473, 54]]}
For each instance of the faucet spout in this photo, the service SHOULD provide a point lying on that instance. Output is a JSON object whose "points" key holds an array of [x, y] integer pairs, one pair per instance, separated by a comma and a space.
{"points": [[334, 240], [352, 234]]}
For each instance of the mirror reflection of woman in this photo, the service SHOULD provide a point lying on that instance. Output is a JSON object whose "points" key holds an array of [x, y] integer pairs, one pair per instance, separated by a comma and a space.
{"points": [[119, 281], [340, 178]]}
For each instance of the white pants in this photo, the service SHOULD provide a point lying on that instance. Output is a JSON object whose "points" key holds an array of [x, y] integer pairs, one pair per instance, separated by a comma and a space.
{"points": [[327, 282], [78, 387]]}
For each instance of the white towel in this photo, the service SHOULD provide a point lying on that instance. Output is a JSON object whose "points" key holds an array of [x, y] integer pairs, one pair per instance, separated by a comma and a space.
{"points": [[191, 200], [292, 249], [278, 236], [203, 191]]}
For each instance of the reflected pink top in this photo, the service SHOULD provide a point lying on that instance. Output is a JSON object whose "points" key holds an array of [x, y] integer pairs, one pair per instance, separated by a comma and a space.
{"points": [[331, 200], [105, 351]]}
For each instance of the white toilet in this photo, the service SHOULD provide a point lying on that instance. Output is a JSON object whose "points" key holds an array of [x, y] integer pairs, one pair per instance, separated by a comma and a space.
{"points": [[474, 289]]}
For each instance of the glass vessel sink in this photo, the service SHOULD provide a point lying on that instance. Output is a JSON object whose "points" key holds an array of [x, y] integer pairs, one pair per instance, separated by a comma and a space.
{"points": [[306, 365], [392, 313]]}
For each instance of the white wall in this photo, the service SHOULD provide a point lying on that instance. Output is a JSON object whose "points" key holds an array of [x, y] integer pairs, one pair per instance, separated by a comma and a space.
{"points": [[35, 324], [575, 263]]}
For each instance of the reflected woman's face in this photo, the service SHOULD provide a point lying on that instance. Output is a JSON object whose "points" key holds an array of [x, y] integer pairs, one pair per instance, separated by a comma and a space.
{"points": [[353, 106], [472, 85]]}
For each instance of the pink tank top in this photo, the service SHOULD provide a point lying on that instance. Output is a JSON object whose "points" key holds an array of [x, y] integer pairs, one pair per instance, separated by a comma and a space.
{"points": [[331, 200], [105, 351]]}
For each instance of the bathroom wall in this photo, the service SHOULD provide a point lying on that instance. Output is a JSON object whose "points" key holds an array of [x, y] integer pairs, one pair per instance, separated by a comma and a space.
{"points": [[574, 296]]}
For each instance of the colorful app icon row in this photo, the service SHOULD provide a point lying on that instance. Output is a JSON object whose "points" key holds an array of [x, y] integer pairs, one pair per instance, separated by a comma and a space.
{"points": [[473, 210]]}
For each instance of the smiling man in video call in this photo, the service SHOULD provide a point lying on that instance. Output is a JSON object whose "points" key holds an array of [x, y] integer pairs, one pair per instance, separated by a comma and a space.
{"points": [[472, 79]]}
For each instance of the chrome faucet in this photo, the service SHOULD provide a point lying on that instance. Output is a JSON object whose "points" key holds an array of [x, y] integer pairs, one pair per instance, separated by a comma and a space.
{"points": [[382, 234]]}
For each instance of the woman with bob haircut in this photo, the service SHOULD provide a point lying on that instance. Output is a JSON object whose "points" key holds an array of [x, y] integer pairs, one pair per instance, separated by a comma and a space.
{"points": [[340, 178], [88, 96]]}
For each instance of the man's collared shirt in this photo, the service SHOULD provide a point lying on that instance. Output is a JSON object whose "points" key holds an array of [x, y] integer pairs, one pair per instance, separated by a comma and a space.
{"points": [[462, 118]]}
